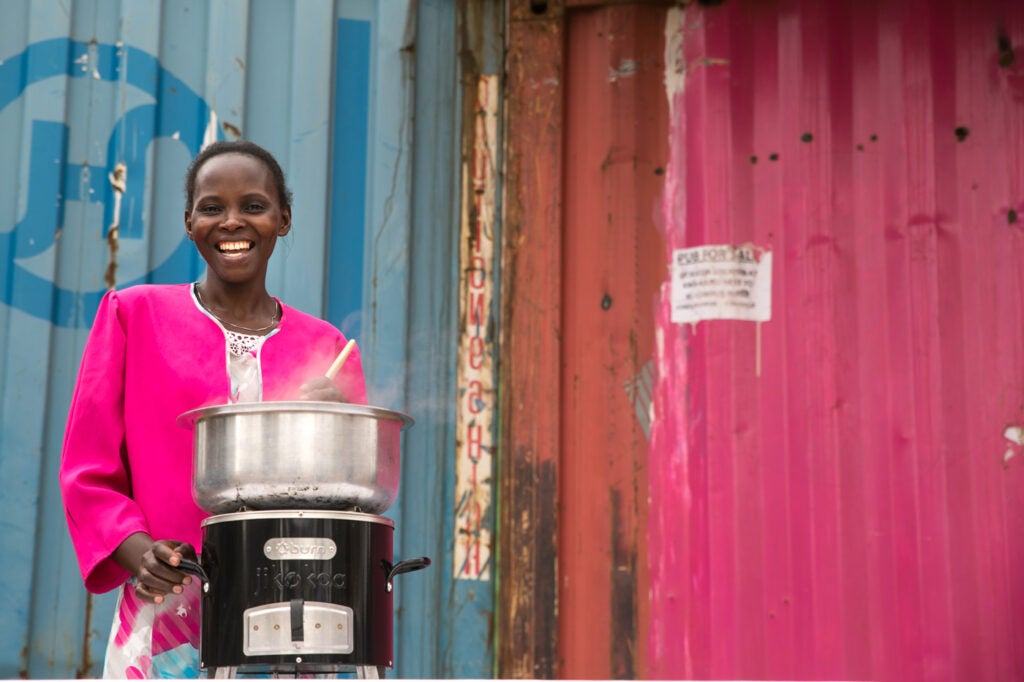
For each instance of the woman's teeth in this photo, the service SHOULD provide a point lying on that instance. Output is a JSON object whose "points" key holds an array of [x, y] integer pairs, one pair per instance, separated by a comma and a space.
{"points": [[233, 247]]}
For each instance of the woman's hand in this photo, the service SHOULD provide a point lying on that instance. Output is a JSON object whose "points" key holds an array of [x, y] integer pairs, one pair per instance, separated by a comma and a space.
{"points": [[321, 388], [158, 573], [154, 565]]}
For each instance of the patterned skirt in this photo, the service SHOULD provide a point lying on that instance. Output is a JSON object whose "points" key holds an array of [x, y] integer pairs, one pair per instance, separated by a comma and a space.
{"points": [[153, 641]]}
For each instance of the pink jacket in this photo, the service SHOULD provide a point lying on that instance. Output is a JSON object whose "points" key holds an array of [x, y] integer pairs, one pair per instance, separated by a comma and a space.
{"points": [[151, 356]]}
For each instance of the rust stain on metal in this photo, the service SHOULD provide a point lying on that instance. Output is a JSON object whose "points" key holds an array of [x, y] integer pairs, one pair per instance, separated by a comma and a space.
{"points": [[1005, 46], [118, 181], [535, 586], [231, 129], [85, 666], [623, 597]]}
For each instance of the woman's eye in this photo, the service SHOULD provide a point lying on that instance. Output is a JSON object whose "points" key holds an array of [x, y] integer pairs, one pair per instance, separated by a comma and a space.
{"points": [[209, 209], [255, 208]]}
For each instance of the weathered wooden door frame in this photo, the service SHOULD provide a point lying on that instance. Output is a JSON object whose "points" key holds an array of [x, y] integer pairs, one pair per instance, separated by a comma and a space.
{"points": [[526, 617]]}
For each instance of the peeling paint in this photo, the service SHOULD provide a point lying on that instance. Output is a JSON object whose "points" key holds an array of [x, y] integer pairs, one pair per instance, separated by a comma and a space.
{"points": [[210, 134], [673, 502], [547, 82], [677, 66], [675, 61], [626, 69], [1014, 434], [640, 389]]}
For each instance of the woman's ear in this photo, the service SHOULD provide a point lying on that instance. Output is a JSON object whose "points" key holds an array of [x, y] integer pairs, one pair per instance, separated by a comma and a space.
{"points": [[188, 225], [286, 223]]}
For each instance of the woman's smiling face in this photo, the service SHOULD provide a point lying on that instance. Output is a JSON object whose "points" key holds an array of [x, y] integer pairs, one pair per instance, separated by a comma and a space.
{"points": [[236, 217]]}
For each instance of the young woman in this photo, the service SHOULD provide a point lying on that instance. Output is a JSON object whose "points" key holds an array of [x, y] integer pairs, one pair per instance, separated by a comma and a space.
{"points": [[157, 351]]}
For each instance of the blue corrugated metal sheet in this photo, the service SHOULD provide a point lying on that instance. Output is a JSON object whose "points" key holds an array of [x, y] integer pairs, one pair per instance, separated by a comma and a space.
{"points": [[329, 88], [455, 640]]}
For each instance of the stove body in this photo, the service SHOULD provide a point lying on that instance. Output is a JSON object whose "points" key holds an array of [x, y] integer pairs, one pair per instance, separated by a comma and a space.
{"points": [[297, 591]]}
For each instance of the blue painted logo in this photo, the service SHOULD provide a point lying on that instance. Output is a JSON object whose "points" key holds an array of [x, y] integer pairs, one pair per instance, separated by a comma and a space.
{"points": [[176, 112]]}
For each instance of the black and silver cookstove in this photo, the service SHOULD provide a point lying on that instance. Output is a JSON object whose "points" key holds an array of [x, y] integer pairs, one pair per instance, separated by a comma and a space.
{"points": [[298, 592]]}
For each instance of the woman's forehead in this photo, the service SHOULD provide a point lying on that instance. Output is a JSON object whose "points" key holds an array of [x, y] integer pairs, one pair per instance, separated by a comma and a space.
{"points": [[234, 167]]}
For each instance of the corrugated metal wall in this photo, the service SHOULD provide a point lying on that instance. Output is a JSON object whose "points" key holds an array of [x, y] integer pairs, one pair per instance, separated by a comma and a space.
{"points": [[615, 154], [846, 503], [448, 618], [834, 493], [328, 86]]}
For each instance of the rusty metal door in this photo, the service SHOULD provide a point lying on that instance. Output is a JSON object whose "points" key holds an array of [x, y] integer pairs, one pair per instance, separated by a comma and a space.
{"points": [[587, 151]]}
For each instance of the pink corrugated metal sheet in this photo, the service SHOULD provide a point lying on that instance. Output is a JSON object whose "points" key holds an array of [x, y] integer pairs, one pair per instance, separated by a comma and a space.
{"points": [[836, 495]]}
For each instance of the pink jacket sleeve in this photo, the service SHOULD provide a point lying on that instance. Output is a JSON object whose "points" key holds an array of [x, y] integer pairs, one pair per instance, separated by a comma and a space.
{"points": [[94, 477]]}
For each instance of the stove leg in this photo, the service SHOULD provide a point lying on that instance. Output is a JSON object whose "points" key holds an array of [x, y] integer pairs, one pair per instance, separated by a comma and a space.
{"points": [[371, 672]]}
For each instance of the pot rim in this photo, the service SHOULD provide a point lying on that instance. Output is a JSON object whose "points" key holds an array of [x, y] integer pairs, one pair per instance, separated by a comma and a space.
{"points": [[188, 420]]}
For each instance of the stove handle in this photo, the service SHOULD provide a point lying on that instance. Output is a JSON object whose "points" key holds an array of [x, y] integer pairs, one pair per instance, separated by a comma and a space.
{"points": [[405, 566], [193, 568]]}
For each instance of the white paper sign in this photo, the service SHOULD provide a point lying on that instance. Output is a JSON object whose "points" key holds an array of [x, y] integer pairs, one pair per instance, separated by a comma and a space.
{"points": [[721, 282]]}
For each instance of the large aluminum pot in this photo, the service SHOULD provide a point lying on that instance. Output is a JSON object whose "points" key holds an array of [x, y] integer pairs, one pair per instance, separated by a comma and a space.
{"points": [[295, 455]]}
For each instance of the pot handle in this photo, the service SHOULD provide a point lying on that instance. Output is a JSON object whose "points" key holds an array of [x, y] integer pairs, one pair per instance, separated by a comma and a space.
{"points": [[405, 566]]}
